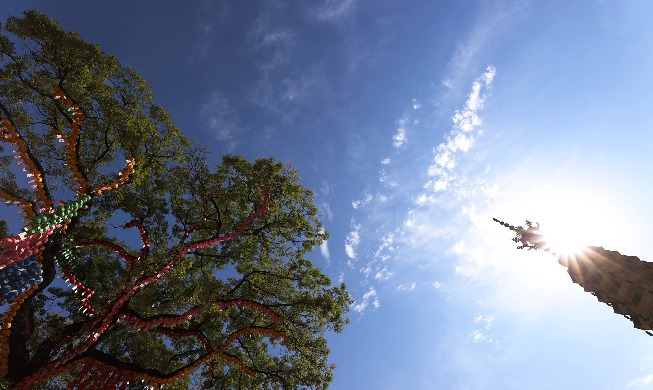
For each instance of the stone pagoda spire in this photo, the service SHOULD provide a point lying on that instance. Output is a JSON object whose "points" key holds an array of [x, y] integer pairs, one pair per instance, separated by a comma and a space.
{"points": [[624, 283]]}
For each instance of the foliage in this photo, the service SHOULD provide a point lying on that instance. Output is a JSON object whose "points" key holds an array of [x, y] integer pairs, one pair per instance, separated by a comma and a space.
{"points": [[212, 289]]}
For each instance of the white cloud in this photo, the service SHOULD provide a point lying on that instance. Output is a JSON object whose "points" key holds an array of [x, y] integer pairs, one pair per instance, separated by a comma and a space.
{"points": [[219, 116], [479, 335], [386, 161], [461, 143], [326, 209], [333, 10], [370, 295], [352, 241], [489, 25], [325, 193], [305, 86], [488, 320], [385, 179], [324, 248], [386, 245], [459, 247], [459, 140], [402, 287], [399, 137], [283, 37], [640, 381], [488, 77], [416, 104], [383, 274], [367, 198]]}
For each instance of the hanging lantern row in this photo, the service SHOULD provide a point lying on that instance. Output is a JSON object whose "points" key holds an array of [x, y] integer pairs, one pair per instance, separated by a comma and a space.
{"points": [[89, 372], [165, 321], [254, 305], [9, 134], [17, 249], [78, 117], [32, 242], [97, 328], [109, 314], [19, 278], [86, 292], [124, 176], [5, 329], [95, 375], [60, 216], [145, 247]]}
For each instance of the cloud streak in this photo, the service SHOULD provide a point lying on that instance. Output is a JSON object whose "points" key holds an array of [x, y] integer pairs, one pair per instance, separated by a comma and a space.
{"points": [[351, 243], [369, 296], [333, 10], [220, 117], [399, 137], [461, 138]]}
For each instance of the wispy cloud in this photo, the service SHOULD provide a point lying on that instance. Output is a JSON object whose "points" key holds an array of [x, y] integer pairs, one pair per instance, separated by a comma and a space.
{"points": [[369, 296], [386, 246], [461, 137], [494, 19], [399, 137], [383, 274], [351, 242], [220, 117], [643, 381], [324, 249], [438, 285], [367, 198], [332, 10], [417, 222], [483, 323], [409, 287]]}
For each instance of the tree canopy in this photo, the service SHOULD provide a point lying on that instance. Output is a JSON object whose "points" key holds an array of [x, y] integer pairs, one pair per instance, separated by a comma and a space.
{"points": [[179, 274]]}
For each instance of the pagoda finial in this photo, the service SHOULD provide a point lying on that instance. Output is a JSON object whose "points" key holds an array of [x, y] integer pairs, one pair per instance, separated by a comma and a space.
{"points": [[530, 237]]}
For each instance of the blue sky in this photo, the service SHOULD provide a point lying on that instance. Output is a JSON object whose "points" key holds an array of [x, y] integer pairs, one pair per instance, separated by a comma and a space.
{"points": [[415, 123]]}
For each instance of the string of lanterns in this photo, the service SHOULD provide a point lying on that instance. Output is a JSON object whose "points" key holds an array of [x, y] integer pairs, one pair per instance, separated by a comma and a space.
{"points": [[17, 250], [19, 278], [20, 273], [86, 292], [178, 319], [71, 140], [92, 333], [9, 134], [20, 266], [5, 329]]}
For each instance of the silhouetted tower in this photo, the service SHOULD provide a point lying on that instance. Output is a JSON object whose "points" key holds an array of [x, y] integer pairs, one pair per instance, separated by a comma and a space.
{"points": [[624, 283]]}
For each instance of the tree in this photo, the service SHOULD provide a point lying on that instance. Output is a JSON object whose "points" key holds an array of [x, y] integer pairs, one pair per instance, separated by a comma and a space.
{"points": [[206, 286]]}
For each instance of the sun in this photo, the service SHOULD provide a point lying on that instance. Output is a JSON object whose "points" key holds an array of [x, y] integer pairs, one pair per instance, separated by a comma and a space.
{"points": [[570, 221], [563, 240]]}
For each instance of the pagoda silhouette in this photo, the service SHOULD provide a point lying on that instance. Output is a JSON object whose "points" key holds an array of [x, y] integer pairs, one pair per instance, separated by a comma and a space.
{"points": [[622, 282]]}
